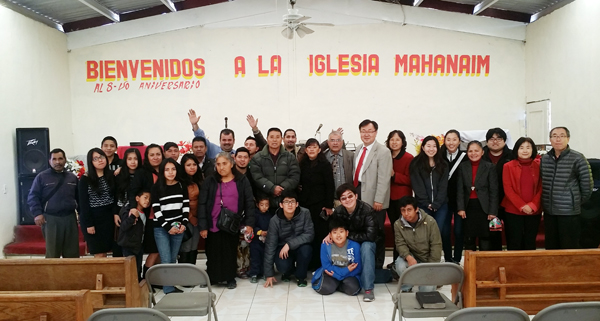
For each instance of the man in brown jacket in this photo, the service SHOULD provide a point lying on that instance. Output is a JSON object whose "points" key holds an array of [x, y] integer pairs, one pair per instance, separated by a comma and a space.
{"points": [[418, 239]]}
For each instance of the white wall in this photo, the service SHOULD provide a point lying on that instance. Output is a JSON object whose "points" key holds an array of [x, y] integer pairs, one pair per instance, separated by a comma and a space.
{"points": [[563, 65], [419, 104], [41, 85], [34, 92]]}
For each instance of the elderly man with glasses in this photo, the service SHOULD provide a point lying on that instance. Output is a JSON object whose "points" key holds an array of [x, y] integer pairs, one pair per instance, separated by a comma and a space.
{"points": [[566, 184], [341, 159]]}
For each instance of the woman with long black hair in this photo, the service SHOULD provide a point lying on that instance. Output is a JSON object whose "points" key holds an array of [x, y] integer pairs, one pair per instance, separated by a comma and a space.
{"points": [[131, 162], [192, 179], [171, 206], [454, 157], [97, 204], [429, 180], [226, 188], [145, 179], [316, 194]]}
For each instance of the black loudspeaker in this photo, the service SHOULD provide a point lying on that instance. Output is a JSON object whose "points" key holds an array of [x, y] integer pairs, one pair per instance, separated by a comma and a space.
{"points": [[25, 217], [33, 146]]}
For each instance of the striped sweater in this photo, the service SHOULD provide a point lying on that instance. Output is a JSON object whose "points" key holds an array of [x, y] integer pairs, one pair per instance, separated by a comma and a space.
{"points": [[171, 206]]}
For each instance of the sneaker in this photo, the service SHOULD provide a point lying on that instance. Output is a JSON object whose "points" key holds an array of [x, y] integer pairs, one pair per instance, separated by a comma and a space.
{"points": [[369, 296], [242, 275], [392, 269], [302, 283], [286, 278], [231, 284], [254, 279]]}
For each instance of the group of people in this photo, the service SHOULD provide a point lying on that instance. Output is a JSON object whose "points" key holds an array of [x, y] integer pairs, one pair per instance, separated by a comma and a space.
{"points": [[317, 208]]}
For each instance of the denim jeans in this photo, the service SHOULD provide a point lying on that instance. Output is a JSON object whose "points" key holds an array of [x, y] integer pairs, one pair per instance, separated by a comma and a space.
{"points": [[447, 238], [401, 266], [367, 255], [301, 256], [168, 247], [440, 217]]}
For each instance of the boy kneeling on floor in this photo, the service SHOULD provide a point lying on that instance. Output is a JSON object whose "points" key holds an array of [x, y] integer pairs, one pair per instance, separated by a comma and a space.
{"points": [[288, 242], [340, 262]]}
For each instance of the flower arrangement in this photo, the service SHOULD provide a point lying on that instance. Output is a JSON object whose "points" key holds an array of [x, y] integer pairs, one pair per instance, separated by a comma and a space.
{"points": [[75, 166], [185, 147], [418, 140]]}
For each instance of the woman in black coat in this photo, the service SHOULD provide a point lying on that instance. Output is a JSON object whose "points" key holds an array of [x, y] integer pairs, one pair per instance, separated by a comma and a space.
{"points": [[316, 194], [144, 179], [477, 197], [230, 189], [97, 204], [452, 154]]}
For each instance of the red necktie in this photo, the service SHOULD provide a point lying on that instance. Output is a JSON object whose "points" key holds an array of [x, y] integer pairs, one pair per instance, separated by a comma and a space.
{"points": [[359, 166]]}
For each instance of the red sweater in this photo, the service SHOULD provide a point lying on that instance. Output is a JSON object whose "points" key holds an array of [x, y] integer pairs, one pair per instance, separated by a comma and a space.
{"points": [[511, 178], [474, 167], [400, 185]]}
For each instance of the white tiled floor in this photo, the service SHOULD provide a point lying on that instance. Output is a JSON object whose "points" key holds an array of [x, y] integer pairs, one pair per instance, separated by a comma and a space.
{"points": [[288, 302]]}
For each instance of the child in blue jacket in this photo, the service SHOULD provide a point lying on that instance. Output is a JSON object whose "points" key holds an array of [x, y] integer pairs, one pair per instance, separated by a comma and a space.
{"points": [[340, 262], [257, 247]]}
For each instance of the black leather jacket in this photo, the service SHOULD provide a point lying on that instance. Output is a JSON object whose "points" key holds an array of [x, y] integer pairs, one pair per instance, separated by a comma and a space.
{"points": [[363, 226]]}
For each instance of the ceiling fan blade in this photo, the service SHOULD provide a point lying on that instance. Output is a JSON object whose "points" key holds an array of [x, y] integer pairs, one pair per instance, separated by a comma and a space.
{"points": [[266, 25], [302, 31], [301, 19], [320, 24], [288, 33]]}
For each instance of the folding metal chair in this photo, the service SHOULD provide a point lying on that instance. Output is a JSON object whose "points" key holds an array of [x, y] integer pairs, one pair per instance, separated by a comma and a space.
{"points": [[489, 314], [128, 314], [186, 303], [428, 274], [576, 311]]}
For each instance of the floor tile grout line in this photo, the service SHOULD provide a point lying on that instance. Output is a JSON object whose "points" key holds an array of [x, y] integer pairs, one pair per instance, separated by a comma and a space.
{"points": [[287, 302], [252, 302]]}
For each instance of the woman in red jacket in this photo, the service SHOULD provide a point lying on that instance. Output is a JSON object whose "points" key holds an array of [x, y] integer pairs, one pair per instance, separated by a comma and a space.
{"points": [[522, 199], [400, 182]]}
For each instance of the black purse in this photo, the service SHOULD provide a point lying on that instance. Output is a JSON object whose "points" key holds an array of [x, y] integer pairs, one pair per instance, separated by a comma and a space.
{"points": [[188, 233], [228, 221]]}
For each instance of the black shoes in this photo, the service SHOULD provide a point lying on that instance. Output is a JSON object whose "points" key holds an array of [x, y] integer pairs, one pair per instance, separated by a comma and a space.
{"points": [[231, 284]]}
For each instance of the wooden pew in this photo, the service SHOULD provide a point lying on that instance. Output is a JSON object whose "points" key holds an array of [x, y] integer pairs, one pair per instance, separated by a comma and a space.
{"points": [[112, 282], [45, 305], [531, 280]]}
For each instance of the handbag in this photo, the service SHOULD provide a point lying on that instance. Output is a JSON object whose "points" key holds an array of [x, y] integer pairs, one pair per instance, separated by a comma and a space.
{"points": [[188, 233], [228, 220]]}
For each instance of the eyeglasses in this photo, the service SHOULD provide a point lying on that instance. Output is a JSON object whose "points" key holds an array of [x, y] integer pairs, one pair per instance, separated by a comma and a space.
{"points": [[288, 202], [335, 140], [345, 198], [368, 131], [558, 136], [496, 139], [99, 158]]}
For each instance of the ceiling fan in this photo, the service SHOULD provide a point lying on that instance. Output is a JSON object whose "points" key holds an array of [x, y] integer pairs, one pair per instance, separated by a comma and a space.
{"points": [[294, 21]]}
